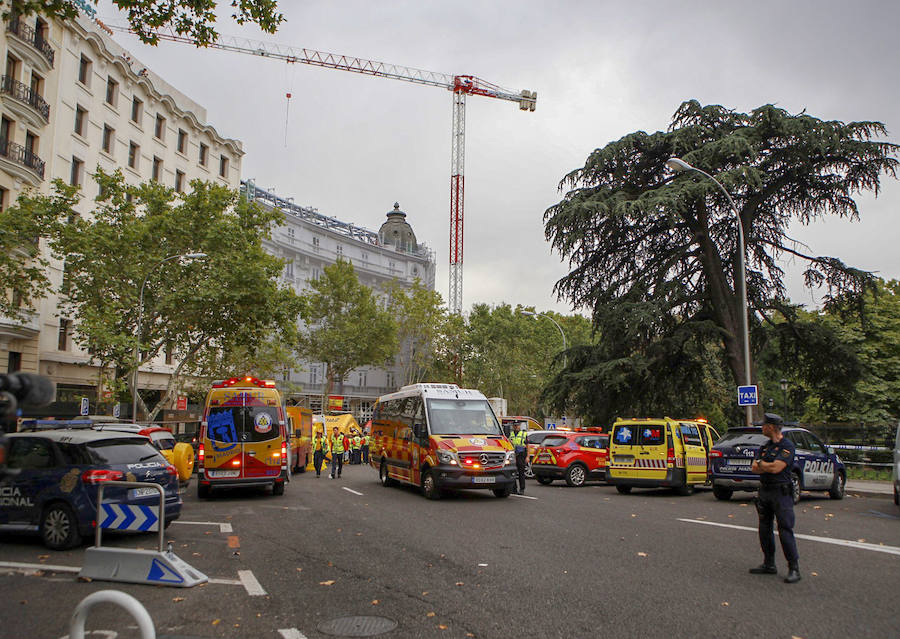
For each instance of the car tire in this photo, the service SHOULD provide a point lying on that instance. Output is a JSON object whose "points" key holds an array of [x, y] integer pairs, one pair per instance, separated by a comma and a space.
{"points": [[722, 493], [59, 527], [623, 488], [839, 487], [529, 472], [576, 475], [278, 488], [203, 490], [501, 493], [544, 480], [795, 488], [383, 476], [430, 485]]}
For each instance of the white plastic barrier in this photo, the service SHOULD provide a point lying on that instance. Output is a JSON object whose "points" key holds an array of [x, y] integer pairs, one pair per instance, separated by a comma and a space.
{"points": [[126, 601]]}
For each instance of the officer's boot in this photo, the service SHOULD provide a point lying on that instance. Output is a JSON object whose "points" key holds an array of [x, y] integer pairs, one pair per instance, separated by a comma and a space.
{"points": [[767, 567], [793, 574]]}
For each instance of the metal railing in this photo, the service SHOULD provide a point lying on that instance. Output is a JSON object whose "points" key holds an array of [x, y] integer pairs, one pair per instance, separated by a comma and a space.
{"points": [[30, 35], [24, 93], [20, 155]]}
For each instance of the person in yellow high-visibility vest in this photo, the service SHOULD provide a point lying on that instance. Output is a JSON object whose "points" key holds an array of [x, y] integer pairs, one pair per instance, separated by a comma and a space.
{"points": [[519, 440], [320, 451], [365, 448], [355, 445], [338, 444]]}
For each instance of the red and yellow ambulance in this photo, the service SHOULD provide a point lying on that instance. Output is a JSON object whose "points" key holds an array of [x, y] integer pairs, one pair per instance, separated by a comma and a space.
{"points": [[243, 437], [440, 437]]}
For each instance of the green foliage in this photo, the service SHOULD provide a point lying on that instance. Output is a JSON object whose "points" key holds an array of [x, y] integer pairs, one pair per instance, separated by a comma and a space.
{"points": [[192, 18], [231, 298], [346, 327], [418, 314], [23, 271], [654, 255]]}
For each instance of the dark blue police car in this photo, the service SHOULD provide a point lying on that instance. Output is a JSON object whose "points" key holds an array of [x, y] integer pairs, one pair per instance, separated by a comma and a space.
{"points": [[816, 467], [53, 476]]}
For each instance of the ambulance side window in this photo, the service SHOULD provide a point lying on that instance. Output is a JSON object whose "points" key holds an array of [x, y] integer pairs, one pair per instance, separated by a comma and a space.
{"points": [[691, 435]]}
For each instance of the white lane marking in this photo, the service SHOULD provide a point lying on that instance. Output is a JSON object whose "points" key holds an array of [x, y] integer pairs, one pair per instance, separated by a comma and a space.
{"points": [[32, 568], [891, 550], [226, 582], [223, 528], [522, 496], [291, 633], [251, 585], [350, 490]]}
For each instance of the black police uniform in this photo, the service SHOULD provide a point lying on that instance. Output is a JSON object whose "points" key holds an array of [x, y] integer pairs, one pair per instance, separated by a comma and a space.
{"points": [[775, 501]]}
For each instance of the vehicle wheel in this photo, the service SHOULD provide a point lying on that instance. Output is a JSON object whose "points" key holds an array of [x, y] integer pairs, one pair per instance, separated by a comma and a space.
{"points": [[501, 493], [203, 490], [722, 493], [838, 488], [167, 524], [383, 475], [278, 489], [576, 474], [685, 490], [623, 488], [544, 480], [429, 485], [795, 488], [184, 461], [529, 472], [59, 527]]}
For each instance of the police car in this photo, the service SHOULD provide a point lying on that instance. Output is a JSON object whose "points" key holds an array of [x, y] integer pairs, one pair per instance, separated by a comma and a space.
{"points": [[816, 467], [53, 477]]}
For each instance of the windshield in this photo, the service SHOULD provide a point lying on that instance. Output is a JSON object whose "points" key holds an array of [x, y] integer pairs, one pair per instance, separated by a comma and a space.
{"points": [[742, 438], [235, 424], [462, 417], [123, 451]]}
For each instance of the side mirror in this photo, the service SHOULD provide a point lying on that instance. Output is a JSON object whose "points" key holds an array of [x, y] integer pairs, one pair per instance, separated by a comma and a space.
{"points": [[830, 450], [419, 430]]}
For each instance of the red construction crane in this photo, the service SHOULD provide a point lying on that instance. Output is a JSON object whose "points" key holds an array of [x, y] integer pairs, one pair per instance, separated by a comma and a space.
{"points": [[459, 85]]}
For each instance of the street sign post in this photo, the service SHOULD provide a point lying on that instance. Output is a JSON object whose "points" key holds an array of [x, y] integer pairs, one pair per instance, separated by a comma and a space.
{"points": [[747, 395], [85, 406], [117, 411]]}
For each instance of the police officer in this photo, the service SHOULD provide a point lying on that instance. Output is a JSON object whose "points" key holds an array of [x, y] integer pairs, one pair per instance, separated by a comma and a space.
{"points": [[519, 440], [356, 445], [320, 450], [365, 447], [338, 446], [773, 462]]}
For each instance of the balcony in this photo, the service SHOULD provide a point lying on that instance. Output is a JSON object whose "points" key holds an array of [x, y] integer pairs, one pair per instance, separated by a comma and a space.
{"points": [[37, 49], [25, 326], [21, 162], [24, 101]]}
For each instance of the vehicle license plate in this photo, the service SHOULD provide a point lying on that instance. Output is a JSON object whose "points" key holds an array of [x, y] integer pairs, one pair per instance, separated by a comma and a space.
{"points": [[489, 479], [740, 461], [623, 459], [134, 493], [224, 473]]}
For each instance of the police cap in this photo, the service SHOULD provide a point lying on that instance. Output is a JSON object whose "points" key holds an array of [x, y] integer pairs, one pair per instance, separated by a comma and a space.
{"points": [[772, 418]]}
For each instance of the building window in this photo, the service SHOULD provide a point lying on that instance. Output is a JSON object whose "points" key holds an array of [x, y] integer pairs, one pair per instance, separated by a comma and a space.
{"points": [[81, 116], [109, 136], [31, 142], [6, 129], [157, 169], [12, 67], [159, 131], [182, 140], [179, 181], [37, 84], [339, 250], [137, 110], [313, 374], [362, 379], [77, 170], [65, 329], [223, 166], [315, 242], [134, 155], [84, 71], [290, 234], [4, 198], [112, 92], [204, 154], [289, 270], [14, 363]]}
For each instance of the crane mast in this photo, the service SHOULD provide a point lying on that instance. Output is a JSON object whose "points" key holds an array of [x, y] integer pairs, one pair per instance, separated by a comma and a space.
{"points": [[459, 85]]}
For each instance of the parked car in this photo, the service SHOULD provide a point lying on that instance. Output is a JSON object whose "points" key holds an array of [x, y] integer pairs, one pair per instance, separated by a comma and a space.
{"points": [[180, 454], [576, 456], [54, 477], [816, 467]]}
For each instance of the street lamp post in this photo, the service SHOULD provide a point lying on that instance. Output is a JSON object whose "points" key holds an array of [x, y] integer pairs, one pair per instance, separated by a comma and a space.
{"points": [[533, 314], [678, 165], [784, 387], [140, 317]]}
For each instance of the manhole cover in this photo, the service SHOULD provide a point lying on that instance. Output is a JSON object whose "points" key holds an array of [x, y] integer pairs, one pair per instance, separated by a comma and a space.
{"points": [[357, 626]]}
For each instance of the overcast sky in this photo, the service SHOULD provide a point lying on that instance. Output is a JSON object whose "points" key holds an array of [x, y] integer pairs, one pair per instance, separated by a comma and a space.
{"points": [[353, 145]]}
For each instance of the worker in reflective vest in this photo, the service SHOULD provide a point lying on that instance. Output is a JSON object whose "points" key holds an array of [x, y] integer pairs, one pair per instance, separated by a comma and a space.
{"points": [[357, 445], [519, 440], [365, 448], [338, 445], [320, 451]]}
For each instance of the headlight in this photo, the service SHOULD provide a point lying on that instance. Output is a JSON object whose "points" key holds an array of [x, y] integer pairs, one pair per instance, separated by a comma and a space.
{"points": [[448, 457], [510, 457]]}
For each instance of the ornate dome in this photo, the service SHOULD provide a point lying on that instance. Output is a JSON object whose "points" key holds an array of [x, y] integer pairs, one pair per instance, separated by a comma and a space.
{"points": [[397, 232]]}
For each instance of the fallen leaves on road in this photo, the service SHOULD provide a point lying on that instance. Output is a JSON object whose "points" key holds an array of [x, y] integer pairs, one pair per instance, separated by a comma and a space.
{"points": [[725, 604], [430, 614], [424, 593], [814, 574], [42, 557], [730, 516], [177, 599], [442, 626], [374, 602], [642, 554], [299, 569], [330, 582], [633, 515], [216, 622], [459, 583], [86, 580], [743, 505], [817, 508], [862, 541]]}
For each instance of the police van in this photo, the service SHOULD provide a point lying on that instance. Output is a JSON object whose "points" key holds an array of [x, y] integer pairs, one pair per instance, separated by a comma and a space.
{"points": [[659, 453], [816, 466], [440, 437]]}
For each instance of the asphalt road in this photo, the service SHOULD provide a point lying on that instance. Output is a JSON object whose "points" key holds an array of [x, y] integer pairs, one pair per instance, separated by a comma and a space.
{"points": [[564, 562]]}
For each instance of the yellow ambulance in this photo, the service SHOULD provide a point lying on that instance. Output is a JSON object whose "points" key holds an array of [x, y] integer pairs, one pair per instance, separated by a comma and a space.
{"points": [[243, 437], [659, 453]]}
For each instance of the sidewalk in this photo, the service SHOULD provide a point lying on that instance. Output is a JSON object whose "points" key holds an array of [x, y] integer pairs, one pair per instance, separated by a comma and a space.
{"points": [[869, 486]]}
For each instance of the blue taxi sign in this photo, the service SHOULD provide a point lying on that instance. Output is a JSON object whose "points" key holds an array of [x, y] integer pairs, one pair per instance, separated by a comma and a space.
{"points": [[747, 395]]}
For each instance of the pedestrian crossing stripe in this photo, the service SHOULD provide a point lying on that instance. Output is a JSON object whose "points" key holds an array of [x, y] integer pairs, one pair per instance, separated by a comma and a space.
{"points": [[128, 517]]}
